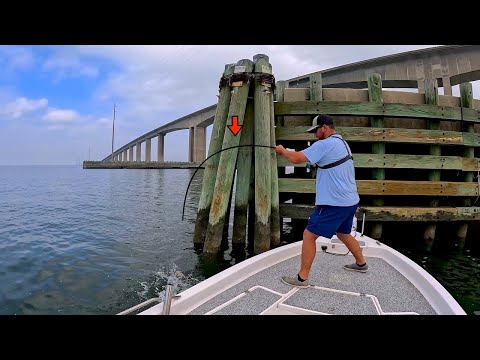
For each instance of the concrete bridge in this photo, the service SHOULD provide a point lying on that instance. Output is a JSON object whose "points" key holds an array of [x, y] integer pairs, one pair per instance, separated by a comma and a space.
{"points": [[450, 65], [196, 122]]}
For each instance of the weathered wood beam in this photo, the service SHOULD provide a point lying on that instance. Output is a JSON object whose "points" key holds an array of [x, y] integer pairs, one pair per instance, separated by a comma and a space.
{"points": [[389, 187], [377, 109], [394, 135], [398, 161], [391, 213]]}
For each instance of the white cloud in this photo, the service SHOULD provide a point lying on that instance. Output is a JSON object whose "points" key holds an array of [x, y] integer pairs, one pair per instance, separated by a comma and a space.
{"points": [[21, 106], [58, 116], [68, 65], [152, 79]]}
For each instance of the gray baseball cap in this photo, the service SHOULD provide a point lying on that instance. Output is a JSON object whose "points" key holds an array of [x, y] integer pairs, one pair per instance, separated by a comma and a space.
{"points": [[319, 121]]}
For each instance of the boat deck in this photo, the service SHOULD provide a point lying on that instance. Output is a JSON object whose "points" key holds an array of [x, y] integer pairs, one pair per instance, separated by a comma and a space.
{"points": [[333, 290]]}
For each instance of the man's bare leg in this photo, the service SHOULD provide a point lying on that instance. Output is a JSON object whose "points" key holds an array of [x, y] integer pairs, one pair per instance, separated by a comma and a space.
{"points": [[309, 250], [352, 244]]}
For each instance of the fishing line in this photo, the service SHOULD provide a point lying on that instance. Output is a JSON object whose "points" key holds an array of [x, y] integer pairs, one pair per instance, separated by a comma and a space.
{"points": [[215, 153]]}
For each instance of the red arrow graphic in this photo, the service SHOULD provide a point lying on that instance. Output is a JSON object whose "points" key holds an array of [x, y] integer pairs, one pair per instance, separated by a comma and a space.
{"points": [[235, 128]]}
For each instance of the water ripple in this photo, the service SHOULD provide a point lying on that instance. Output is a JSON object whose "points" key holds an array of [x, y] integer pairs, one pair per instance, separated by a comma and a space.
{"points": [[77, 241]]}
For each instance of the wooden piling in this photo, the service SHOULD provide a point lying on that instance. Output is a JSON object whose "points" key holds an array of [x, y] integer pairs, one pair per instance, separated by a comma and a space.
{"points": [[224, 245], [466, 101], [244, 170], [431, 98], [315, 95], [251, 210], [226, 166], [280, 120], [279, 96], [275, 221], [375, 95], [263, 182], [211, 165], [316, 87]]}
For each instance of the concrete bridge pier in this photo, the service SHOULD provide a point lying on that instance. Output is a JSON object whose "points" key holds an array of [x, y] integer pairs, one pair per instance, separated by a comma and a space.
{"points": [[148, 149], [447, 86], [138, 156], [197, 144], [421, 86], [130, 153], [161, 148]]}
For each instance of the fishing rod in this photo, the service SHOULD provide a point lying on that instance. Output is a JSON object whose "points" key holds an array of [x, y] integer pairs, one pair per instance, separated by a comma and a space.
{"points": [[215, 153]]}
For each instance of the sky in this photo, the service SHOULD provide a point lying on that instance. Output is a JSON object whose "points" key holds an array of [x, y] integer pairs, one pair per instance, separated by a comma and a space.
{"points": [[56, 102]]}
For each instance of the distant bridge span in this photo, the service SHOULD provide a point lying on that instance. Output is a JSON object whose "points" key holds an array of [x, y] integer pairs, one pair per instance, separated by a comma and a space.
{"points": [[450, 65], [196, 122]]}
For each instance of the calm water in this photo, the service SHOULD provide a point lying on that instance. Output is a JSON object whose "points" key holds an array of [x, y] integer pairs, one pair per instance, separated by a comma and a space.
{"points": [[75, 241]]}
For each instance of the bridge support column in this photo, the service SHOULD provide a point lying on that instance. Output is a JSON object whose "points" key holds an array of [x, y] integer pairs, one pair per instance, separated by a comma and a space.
{"points": [[138, 156], [130, 153], [125, 155], [420, 74], [191, 137], [148, 149], [447, 87], [161, 147], [197, 144], [421, 86]]}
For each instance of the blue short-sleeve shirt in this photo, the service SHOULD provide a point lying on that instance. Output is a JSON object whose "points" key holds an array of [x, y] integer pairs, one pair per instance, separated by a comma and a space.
{"points": [[334, 186]]}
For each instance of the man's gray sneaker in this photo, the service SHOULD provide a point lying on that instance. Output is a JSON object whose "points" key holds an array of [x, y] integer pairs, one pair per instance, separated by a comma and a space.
{"points": [[355, 267], [293, 281]]}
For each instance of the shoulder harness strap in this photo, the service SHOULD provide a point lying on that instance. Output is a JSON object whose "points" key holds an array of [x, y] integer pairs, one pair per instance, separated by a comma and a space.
{"points": [[341, 161]]}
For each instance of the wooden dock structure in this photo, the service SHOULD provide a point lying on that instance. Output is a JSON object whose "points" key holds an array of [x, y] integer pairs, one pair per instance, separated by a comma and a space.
{"points": [[416, 156]]}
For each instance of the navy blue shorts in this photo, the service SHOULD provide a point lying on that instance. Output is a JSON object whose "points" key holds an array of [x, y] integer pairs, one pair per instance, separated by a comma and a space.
{"points": [[327, 220]]}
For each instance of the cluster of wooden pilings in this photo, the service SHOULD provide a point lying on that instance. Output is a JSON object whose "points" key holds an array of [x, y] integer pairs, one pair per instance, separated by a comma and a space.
{"points": [[416, 155], [242, 158]]}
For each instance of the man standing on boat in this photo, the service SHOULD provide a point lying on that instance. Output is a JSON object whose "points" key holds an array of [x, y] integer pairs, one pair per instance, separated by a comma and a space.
{"points": [[336, 196]]}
